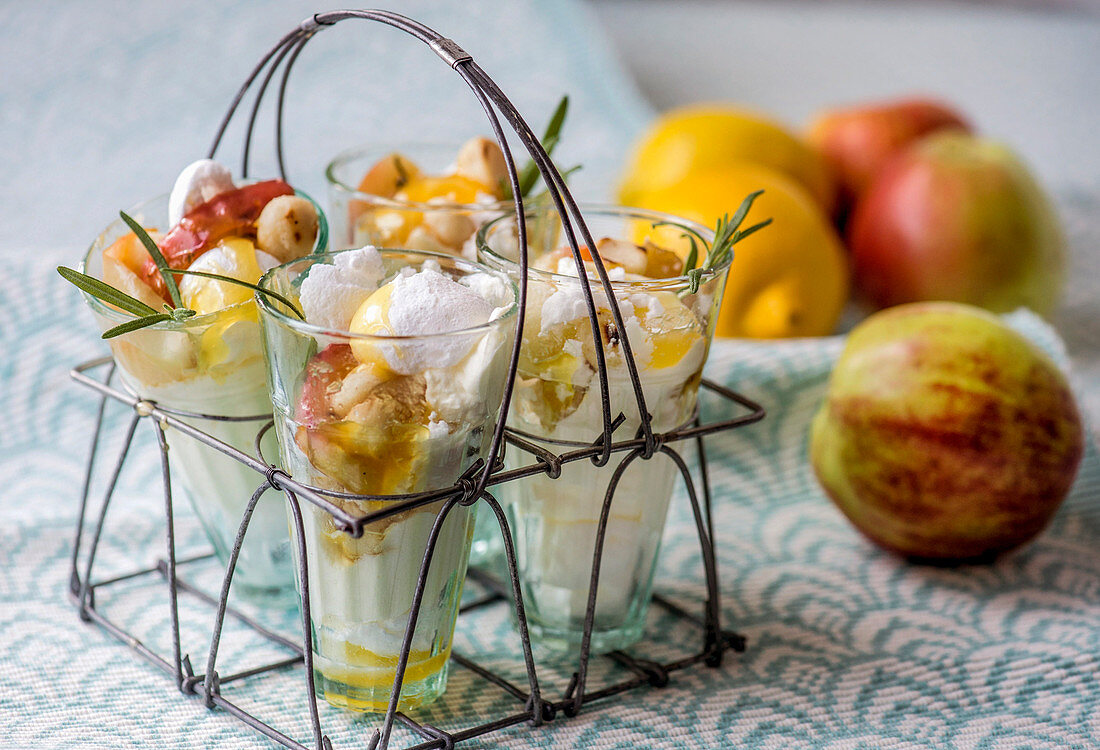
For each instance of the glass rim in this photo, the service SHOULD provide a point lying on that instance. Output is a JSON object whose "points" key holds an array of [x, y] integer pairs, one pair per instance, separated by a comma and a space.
{"points": [[606, 209], [267, 306], [196, 321], [355, 193]]}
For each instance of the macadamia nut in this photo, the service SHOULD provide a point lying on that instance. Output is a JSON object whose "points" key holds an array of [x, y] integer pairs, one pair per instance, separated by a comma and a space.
{"points": [[287, 227]]}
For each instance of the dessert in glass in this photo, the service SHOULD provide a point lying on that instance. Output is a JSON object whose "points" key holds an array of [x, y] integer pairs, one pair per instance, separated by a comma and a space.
{"points": [[212, 362], [425, 196], [390, 383], [669, 321]]}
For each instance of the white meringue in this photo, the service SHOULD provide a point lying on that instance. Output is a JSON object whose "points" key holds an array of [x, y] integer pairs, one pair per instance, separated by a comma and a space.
{"points": [[197, 183]]}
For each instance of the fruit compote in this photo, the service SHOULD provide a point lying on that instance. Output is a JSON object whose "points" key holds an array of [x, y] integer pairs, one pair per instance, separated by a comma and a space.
{"points": [[391, 201]]}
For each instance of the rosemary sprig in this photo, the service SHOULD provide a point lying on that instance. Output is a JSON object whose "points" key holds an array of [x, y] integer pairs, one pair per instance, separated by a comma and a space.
{"points": [[105, 292], [727, 233], [158, 258], [177, 314], [145, 315], [529, 175]]}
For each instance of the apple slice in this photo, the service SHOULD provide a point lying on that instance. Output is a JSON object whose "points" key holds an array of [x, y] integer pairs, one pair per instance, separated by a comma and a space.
{"points": [[626, 255], [119, 275], [323, 376], [232, 213], [661, 263], [388, 175], [128, 251], [481, 160]]}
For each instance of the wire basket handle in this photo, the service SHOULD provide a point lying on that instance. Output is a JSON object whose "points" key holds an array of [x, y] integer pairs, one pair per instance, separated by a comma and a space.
{"points": [[492, 101]]}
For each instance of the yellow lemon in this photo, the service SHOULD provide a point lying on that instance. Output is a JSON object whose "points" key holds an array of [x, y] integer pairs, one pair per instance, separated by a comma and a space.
{"points": [[705, 137], [790, 278]]}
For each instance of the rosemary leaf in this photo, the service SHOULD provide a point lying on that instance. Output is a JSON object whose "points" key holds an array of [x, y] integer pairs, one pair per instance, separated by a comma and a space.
{"points": [[743, 209], [567, 173], [238, 282], [553, 128], [105, 292], [180, 314], [529, 175], [695, 275], [158, 258], [693, 254], [740, 235], [136, 324]]}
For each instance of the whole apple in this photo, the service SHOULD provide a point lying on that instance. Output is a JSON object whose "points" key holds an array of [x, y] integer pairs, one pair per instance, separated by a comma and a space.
{"points": [[957, 218], [945, 435], [857, 141]]}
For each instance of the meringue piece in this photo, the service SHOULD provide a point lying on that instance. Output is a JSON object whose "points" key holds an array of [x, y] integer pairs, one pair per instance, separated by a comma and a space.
{"points": [[493, 289], [429, 303], [197, 183], [418, 304], [331, 294]]}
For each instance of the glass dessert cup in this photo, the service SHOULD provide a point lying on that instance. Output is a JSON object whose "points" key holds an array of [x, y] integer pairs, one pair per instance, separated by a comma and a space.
{"points": [[557, 405], [432, 224], [211, 365], [418, 431], [359, 218]]}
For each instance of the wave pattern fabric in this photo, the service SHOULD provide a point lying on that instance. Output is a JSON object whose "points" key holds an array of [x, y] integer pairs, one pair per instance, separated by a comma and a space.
{"points": [[848, 647]]}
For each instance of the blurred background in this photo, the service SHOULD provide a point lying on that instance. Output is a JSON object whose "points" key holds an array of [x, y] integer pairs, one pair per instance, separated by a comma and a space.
{"points": [[102, 103], [1025, 72]]}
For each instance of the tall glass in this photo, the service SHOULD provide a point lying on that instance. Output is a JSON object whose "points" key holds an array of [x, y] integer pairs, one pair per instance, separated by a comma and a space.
{"points": [[413, 432], [212, 365], [557, 404], [359, 218]]}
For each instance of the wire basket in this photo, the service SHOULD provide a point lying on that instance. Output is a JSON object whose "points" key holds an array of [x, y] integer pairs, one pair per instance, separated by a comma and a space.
{"points": [[527, 704]]}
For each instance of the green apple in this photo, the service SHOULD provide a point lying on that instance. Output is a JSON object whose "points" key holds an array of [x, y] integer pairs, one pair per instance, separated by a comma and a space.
{"points": [[946, 435]]}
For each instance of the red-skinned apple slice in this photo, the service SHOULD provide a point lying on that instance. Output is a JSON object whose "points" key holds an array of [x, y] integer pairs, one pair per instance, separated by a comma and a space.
{"points": [[232, 213], [323, 376]]}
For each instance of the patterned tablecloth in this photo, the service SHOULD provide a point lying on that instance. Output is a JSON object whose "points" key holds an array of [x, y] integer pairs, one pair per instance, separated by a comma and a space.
{"points": [[848, 647]]}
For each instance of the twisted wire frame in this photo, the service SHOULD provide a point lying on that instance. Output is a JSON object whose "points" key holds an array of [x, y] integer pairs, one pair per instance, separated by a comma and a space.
{"points": [[470, 488]]}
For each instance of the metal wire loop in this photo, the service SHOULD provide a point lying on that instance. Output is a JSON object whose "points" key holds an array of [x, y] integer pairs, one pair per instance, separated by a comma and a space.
{"points": [[450, 52], [272, 475], [655, 673]]}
